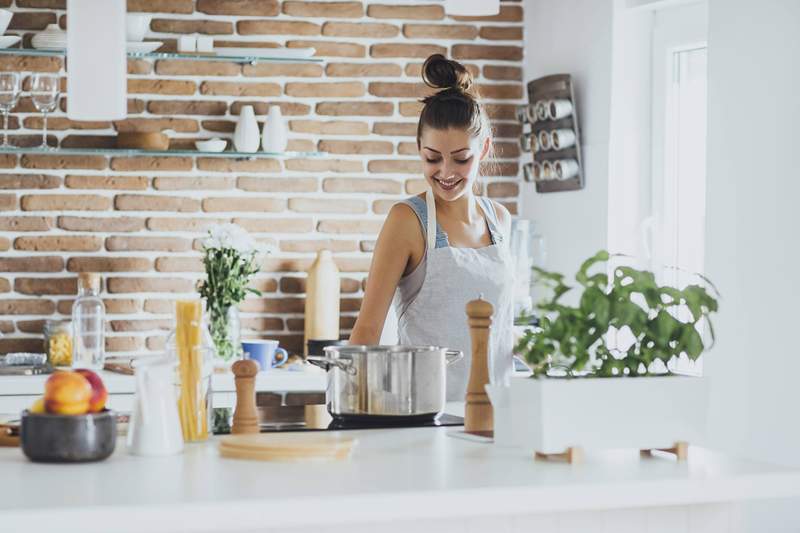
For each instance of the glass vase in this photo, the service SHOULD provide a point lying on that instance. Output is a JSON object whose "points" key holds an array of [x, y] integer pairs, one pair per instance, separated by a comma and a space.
{"points": [[225, 327]]}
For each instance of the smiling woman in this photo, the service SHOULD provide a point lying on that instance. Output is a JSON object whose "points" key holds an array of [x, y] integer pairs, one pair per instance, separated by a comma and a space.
{"points": [[445, 247]]}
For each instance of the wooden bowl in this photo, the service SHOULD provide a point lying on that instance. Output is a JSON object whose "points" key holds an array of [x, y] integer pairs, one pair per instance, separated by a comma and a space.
{"points": [[142, 140], [53, 438]]}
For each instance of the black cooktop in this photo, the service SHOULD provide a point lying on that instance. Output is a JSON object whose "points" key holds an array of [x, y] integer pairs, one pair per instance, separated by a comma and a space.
{"points": [[364, 422]]}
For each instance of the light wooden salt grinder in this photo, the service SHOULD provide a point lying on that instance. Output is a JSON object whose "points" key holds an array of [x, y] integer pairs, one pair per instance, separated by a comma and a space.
{"points": [[479, 417], [245, 417]]}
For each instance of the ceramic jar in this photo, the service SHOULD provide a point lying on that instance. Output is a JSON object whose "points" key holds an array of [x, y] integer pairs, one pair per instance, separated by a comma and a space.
{"points": [[245, 136]]}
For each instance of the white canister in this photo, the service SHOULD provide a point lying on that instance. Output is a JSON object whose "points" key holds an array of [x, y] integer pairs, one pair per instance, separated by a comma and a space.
{"points": [[558, 109], [521, 113], [562, 138], [274, 136], [541, 110], [566, 169], [548, 172], [245, 136], [545, 143], [525, 141], [531, 113]]}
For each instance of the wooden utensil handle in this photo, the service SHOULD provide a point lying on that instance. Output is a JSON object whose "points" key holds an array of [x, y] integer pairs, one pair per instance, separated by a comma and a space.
{"points": [[479, 416]]}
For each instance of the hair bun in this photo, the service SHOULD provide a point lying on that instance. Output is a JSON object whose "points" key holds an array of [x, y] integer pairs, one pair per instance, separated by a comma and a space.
{"points": [[442, 73]]}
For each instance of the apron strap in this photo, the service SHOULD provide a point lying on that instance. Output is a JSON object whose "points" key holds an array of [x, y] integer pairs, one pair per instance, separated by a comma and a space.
{"points": [[431, 206]]}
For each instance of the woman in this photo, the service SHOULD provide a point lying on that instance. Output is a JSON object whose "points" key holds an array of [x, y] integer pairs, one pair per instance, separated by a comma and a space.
{"points": [[445, 247]]}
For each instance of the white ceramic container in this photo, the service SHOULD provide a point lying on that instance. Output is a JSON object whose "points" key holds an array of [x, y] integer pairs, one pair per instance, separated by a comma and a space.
{"points": [[245, 136], [275, 136]]}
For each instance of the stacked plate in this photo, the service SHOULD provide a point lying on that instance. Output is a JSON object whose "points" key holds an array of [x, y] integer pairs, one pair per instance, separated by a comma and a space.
{"points": [[286, 446], [52, 38]]}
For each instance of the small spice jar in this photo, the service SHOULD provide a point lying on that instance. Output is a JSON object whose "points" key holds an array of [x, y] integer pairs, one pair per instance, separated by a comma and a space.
{"points": [[58, 342]]}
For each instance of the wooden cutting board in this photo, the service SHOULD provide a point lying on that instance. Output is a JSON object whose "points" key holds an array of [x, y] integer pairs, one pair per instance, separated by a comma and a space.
{"points": [[286, 446]]}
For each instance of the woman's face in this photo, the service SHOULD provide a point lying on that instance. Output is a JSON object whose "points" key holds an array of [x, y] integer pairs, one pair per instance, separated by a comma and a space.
{"points": [[451, 160]]}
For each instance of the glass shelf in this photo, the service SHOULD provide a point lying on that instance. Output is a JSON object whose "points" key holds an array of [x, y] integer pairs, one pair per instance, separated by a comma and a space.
{"points": [[171, 55], [125, 152]]}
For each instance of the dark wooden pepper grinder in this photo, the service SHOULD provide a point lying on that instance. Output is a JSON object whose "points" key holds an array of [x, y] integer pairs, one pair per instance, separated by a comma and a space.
{"points": [[479, 417], [245, 417]]}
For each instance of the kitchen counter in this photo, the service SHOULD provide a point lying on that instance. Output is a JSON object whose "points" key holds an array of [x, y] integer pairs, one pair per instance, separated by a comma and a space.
{"points": [[393, 476], [19, 392]]}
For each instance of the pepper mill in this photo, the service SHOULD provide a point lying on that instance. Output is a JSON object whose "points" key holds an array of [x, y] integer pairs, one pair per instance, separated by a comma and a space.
{"points": [[479, 417], [245, 417]]}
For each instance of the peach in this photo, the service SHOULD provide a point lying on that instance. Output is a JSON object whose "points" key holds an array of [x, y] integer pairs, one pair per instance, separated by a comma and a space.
{"points": [[99, 393], [67, 393]]}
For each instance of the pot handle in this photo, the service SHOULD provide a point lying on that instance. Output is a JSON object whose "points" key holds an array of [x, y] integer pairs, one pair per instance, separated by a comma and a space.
{"points": [[453, 355], [345, 365]]}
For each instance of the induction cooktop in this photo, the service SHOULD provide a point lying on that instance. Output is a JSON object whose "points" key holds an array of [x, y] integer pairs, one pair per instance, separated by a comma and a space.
{"points": [[364, 422]]}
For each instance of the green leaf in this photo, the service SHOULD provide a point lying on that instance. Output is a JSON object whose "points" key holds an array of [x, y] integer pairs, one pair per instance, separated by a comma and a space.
{"points": [[691, 343]]}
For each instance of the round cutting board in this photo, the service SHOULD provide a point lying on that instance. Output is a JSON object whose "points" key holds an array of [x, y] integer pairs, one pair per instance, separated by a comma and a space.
{"points": [[286, 446]]}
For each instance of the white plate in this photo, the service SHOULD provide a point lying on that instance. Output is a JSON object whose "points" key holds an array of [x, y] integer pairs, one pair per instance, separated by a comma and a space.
{"points": [[272, 53], [7, 41], [143, 47]]}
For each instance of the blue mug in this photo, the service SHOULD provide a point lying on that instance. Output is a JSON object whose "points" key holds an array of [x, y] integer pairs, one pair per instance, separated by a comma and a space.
{"points": [[264, 351]]}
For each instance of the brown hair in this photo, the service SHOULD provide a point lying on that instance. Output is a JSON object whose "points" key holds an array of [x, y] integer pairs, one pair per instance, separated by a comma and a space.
{"points": [[456, 104]]}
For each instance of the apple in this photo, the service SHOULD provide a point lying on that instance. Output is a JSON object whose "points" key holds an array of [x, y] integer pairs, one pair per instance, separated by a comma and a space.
{"points": [[67, 393], [99, 393], [38, 407]]}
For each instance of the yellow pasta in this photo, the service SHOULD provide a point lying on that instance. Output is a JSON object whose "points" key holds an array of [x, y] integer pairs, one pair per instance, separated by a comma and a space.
{"points": [[188, 342]]}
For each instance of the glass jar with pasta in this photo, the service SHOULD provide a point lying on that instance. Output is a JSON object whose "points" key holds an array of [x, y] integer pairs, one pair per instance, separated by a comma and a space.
{"points": [[58, 342]]}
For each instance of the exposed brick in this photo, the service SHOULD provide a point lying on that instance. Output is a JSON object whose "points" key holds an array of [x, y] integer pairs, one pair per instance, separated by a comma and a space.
{"points": [[107, 182], [221, 126], [352, 264], [375, 109], [382, 207], [285, 265], [164, 183], [198, 225], [327, 205], [151, 163], [410, 109], [160, 306], [395, 166], [416, 186], [323, 9], [42, 4], [146, 244], [8, 202], [482, 51], [29, 181], [362, 185], [371, 227], [358, 29], [32, 306], [293, 285], [261, 108], [26, 223], [207, 27], [501, 33], [276, 225], [255, 8], [88, 141], [140, 325], [367, 246], [5, 286], [407, 148], [403, 90], [176, 67], [179, 264], [327, 90], [39, 286], [511, 206], [30, 64], [93, 162], [259, 184], [503, 189], [240, 89], [32, 20], [277, 27], [187, 107], [506, 150], [26, 344], [129, 285], [262, 324], [499, 169], [109, 264], [31, 326], [180, 125], [141, 202], [32, 264], [353, 70], [139, 66], [156, 86], [123, 344], [162, 6], [330, 127], [406, 129], [507, 131], [500, 111], [415, 12], [440, 31], [8, 161], [501, 91], [122, 306], [330, 48], [65, 202], [314, 245], [502, 72], [5, 244], [405, 50], [273, 305], [355, 147], [60, 243], [243, 204], [70, 223], [156, 343], [219, 164], [324, 165], [507, 14], [63, 123], [267, 70], [265, 284]]}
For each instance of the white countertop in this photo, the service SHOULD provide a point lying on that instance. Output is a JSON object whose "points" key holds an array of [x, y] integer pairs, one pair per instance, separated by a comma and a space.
{"points": [[392, 475]]}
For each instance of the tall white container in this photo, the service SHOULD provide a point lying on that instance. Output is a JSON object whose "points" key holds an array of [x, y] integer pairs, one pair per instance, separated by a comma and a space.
{"points": [[96, 60], [322, 299], [245, 136], [275, 136]]}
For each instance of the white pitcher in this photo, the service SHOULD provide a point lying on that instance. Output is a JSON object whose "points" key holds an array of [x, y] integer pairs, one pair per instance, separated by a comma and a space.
{"points": [[275, 137], [154, 427], [245, 136]]}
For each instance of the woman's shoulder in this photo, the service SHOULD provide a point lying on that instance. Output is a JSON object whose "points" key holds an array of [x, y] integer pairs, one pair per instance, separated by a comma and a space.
{"points": [[503, 215], [404, 217]]}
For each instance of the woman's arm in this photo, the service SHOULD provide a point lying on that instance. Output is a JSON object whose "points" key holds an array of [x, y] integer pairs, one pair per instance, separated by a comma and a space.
{"points": [[399, 249]]}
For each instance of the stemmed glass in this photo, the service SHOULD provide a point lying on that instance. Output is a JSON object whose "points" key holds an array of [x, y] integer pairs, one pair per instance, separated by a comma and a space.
{"points": [[44, 90], [9, 94]]}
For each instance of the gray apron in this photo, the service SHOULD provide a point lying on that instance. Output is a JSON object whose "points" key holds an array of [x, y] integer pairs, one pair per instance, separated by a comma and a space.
{"points": [[454, 276]]}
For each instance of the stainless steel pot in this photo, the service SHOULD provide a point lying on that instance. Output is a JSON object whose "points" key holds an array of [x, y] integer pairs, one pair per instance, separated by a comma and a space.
{"points": [[386, 381]]}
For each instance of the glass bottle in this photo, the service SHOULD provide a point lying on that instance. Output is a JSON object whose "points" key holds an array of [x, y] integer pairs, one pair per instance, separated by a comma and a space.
{"points": [[88, 323]]}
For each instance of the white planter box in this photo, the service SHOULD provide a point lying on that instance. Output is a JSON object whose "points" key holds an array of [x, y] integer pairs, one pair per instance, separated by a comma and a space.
{"points": [[552, 415]]}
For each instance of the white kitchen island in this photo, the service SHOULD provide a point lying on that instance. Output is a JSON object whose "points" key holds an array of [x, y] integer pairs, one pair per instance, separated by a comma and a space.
{"points": [[409, 480]]}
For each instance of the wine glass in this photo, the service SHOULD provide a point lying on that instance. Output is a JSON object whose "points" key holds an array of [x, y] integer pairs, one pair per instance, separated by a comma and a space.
{"points": [[9, 94], [44, 90]]}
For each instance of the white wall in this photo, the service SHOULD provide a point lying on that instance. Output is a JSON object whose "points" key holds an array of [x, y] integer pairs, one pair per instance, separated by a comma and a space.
{"points": [[753, 234], [573, 36]]}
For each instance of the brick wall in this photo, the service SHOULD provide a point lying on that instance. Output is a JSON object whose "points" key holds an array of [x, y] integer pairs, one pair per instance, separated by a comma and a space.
{"points": [[139, 220]]}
